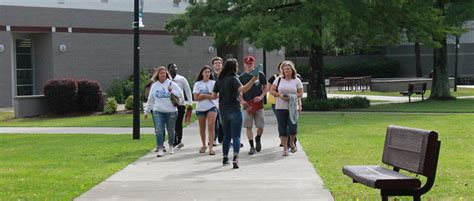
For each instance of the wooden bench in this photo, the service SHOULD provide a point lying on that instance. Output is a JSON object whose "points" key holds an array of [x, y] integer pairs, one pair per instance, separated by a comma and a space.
{"points": [[415, 88], [409, 149]]}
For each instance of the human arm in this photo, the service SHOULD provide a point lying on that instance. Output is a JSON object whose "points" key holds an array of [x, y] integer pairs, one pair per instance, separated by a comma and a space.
{"points": [[187, 91], [150, 103], [248, 85], [264, 86]]}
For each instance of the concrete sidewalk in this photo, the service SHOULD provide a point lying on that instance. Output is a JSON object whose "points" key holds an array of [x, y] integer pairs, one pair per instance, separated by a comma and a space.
{"points": [[188, 175]]}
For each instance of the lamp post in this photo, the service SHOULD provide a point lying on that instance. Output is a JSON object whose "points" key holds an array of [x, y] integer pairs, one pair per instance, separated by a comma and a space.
{"points": [[136, 73], [456, 65]]}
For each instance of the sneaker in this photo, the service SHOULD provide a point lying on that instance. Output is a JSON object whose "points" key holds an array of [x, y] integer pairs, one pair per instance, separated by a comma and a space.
{"points": [[258, 146], [163, 148], [241, 145], [252, 151], [171, 150], [285, 153], [160, 153], [179, 146], [157, 149], [225, 161]]}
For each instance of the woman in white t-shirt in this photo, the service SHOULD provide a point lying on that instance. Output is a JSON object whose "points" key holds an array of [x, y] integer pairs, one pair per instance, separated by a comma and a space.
{"points": [[206, 108], [287, 89]]}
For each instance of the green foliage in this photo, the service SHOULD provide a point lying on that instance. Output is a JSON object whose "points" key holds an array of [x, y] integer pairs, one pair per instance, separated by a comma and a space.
{"points": [[378, 69], [303, 71], [110, 106], [116, 89], [335, 103], [62, 167], [129, 103], [123, 88]]}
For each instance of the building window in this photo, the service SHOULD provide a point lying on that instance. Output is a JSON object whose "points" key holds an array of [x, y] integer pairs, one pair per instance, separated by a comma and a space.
{"points": [[104, 1], [61, 1], [24, 67]]}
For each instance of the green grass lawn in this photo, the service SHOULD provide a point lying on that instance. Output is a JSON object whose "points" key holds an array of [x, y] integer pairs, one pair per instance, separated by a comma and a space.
{"points": [[61, 167], [451, 106], [458, 93], [333, 140], [116, 120]]}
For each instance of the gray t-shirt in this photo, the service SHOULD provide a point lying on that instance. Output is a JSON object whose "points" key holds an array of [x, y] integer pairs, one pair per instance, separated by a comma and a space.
{"points": [[256, 89], [228, 89]]}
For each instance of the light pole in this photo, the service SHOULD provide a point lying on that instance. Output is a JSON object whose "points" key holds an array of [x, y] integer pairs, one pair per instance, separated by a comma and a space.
{"points": [[456, 65], [136, 73]]}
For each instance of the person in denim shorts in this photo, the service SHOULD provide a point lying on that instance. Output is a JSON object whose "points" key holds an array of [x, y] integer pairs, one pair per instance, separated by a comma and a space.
{"points": [[206, 108]]}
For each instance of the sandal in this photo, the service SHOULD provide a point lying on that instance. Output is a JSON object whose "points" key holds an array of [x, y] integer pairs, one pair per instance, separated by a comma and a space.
{"points": [[203, 149], [212, 152], [293, 149]]}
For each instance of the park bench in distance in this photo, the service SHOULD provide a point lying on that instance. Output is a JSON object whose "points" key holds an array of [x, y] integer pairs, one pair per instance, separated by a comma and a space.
{"points": [[417, 88], [410, 149]]}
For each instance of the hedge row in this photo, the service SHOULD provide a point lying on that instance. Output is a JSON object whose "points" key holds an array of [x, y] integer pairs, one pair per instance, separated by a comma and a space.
{"points": [[65, 96], [335, 103]]}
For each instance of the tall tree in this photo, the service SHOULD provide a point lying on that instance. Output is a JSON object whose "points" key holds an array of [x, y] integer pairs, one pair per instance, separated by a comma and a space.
{"points": [[419, 72], [454, 13], [272, 24]]}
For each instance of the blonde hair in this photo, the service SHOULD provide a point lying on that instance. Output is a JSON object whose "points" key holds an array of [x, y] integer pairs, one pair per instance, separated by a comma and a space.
{"points": [[155, 77], [293, 69]]}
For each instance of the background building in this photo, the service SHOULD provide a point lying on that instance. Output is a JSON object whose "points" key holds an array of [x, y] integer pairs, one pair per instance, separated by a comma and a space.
{"points": [[93, 39]]}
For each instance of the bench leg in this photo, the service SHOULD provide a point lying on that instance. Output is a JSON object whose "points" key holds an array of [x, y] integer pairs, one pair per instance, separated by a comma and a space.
{"points": [[416, 198], [384, 198], [409, 99]]}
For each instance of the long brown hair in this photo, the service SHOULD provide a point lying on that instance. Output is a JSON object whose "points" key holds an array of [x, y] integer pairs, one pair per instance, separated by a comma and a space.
{"points": [[200, 77], [157, 72]]}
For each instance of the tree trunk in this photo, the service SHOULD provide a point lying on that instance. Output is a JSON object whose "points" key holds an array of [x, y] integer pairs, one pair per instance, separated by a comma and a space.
{"points": [[317, 84], [419, 72], [440, 87]]}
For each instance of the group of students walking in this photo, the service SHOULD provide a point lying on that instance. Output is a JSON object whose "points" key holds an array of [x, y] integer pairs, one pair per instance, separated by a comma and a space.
{"points": [[220, 92]]}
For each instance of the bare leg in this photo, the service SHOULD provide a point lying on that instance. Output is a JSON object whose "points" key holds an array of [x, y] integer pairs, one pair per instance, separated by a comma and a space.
{"points": [[211, 122], [284, 141], [292, 143], [202, 129]]}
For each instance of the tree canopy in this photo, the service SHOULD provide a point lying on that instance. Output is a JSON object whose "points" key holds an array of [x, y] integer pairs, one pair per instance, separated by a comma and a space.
{"points": [[318, 24]]}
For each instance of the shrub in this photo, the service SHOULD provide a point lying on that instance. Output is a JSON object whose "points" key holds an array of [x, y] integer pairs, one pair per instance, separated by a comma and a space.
{"points": [[335, 103], [61, 95], [89, 96], [116, 89], [379, 69], [129, 103], [110, 106]]}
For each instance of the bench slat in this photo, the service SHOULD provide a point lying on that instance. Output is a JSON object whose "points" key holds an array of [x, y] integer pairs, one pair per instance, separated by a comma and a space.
{"points": [[380, 177], [407, 148]]}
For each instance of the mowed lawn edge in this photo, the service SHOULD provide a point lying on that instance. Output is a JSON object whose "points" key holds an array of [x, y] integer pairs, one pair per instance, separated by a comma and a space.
{"points": [[115, 120], [62, 167]]}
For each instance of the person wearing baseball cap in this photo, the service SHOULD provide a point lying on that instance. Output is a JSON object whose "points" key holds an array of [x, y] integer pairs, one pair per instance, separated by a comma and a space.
{"points": [[252, 102]]}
